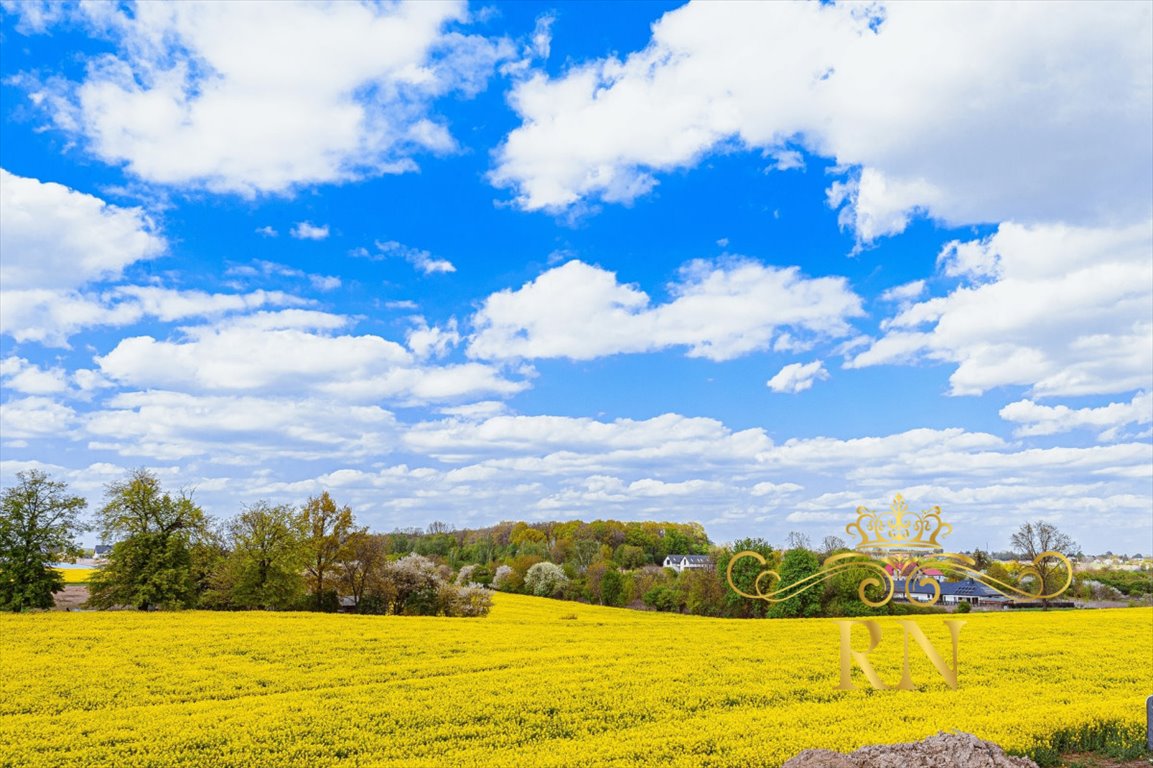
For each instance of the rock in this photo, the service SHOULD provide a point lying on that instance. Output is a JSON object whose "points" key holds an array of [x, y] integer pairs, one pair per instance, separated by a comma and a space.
{"points": [[945, 750]]}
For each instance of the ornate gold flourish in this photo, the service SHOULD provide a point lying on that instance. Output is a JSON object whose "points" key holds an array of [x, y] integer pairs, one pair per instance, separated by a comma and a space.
{"points": [[771, 593]]}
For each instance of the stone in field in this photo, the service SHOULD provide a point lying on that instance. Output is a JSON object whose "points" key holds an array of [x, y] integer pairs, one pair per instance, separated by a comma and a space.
{"points": [[945, 750]]}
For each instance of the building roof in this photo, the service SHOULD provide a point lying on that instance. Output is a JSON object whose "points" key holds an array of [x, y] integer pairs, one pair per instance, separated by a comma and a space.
{"points": [[102, 549], [966, 588], [694, 559]]}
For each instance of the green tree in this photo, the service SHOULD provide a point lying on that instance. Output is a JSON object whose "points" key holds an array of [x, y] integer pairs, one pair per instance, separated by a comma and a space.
{"points": [[744, 575], [612, 588], [628, 557], [702, 592], [798, 564], [365, 557], [38, 524], [264, 565], [152, 564], [327, 532]]}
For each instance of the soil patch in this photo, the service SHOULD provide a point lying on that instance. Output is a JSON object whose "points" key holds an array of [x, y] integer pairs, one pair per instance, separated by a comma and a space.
{"points": [[72, 597]]}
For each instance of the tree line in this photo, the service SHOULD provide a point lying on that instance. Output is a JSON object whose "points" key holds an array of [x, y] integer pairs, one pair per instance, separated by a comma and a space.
{"points": [[168, 554]]}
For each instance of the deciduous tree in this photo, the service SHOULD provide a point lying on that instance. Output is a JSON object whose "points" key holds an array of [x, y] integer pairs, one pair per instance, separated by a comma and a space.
{"points": [[327, 531], [152, 563], [798, 564], [39, 522], [745, 573], [1031, 539], [264, 565]]}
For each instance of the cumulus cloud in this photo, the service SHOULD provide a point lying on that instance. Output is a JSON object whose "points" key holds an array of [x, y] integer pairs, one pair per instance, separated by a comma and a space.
{"points": [[294, 351], [797, 377], [1059, 309], [957, 137], [19, 375], [58, 244], [57, 238], [434, 341], [36, 417], [194, 94], [305, 230], [1050, 420], [719, 310]]}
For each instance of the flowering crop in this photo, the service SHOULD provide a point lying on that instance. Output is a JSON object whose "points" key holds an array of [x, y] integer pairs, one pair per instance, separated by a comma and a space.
{"points": [[531, 685], [76, 575]]}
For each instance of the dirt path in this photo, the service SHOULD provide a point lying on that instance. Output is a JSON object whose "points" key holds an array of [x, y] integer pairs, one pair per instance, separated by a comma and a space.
{"points": [[73, 596]]}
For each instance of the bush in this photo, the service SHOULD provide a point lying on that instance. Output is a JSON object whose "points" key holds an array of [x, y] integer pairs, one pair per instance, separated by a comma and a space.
{"points": [[964, 607], [545, 579], [503, 579], [663, 598]]}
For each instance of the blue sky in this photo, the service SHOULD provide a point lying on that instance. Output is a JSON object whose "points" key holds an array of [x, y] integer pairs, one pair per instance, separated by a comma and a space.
{"points": [[745, 264]]}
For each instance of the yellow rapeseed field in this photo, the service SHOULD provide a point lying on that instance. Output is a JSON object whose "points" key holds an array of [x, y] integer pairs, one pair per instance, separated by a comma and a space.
{"points": [[537, 683], [77, 575]]}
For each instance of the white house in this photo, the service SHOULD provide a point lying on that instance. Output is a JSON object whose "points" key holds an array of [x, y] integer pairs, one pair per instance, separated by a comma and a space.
{"points": [[688, 562]]}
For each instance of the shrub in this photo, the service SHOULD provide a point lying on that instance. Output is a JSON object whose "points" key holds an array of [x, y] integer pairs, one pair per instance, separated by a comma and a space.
{"points": [[503, 578], [545, 579]]}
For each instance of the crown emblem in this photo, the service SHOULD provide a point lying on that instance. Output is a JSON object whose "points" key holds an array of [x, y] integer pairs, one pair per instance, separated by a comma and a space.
{"points": [[900, 530]]}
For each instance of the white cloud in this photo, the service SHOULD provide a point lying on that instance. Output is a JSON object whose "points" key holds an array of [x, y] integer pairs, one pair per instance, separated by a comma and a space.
{"points": [[305, 230], [56, 238], [168, 426], [1062, 310], [293, 352], [718, 310], [775, 489], [324, 282], [556, 443], [963, 138], [480, 410], [28, 378], [797, 377], [432, 342], [168, 305], [33, 417], [267, 231], [905, 292], [50, 317], [1050, 420], [423, 261], [260, 267], [195, 94]]}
